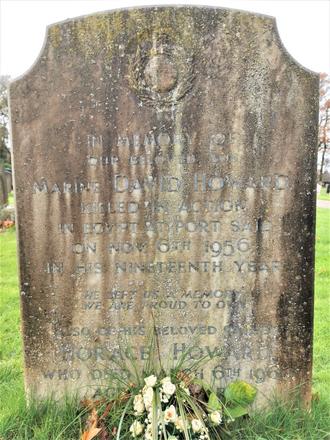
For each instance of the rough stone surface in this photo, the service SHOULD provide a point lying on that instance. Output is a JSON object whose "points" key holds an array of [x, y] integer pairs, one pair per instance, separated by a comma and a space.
{"points": [[165, 170]]}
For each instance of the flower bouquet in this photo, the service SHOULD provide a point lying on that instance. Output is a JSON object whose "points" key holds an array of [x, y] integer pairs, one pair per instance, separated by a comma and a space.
{"points": [[168, 406]]}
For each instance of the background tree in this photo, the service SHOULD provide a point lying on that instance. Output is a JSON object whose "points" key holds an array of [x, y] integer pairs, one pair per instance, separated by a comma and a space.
{"points": [[324, 123], [4, 150]]}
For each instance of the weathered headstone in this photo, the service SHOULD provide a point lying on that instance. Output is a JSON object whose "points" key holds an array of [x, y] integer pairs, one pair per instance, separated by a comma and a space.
{"points": [[3, 187], [165, 165], [9, 180]]}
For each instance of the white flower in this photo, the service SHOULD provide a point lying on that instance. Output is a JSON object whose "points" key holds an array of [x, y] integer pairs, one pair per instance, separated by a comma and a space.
{"points": [[170, 414], [138, 404], [148, 433], [150, 381], [166, 379], [196, 425], [179, 424], [215, 417], [168, 387], [172, 437], [148, 395], [136, 428]]}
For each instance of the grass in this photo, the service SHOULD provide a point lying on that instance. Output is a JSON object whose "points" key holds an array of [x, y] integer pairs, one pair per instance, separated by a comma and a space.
{"points": [[323, 195], [47, 421], [11, 198], [321, 372], [287, 422]]}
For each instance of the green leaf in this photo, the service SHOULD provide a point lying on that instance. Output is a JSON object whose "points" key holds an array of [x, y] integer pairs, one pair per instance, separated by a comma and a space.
{"points": [[214, 403], [236, 411], [122, 417], [154, 420], [240, 393], [182, 413]]}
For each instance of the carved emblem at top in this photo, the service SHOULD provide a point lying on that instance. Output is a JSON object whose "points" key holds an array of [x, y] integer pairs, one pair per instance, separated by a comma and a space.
{"points": [[161, 71]]}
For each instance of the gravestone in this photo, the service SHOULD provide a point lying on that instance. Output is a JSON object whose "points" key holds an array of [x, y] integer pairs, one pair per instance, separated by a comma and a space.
{"points": [[8, 179], [3, 187], [165, 163]]}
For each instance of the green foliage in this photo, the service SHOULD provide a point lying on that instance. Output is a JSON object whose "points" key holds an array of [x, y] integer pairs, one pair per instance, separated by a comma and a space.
{"points": [[240, 393], [214, 403], [321, 352], [286, 421], [39, 421], [4, 152], [237, 411]]}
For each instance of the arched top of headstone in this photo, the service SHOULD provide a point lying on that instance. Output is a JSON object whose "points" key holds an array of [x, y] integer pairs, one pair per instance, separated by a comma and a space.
{"points": [[83, 34]]}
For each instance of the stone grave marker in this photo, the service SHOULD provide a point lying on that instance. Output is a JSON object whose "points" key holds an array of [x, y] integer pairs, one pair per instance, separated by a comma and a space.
{"points": [[3, 187], [9, 180], [165, 163]]}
